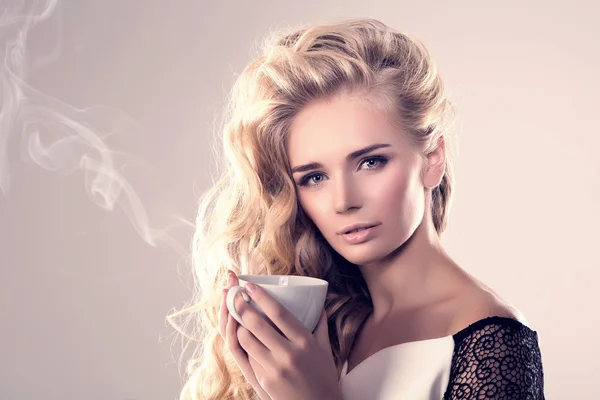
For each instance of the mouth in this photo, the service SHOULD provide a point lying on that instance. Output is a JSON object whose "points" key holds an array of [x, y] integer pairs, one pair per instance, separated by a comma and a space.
{"points": [[356, 228]]}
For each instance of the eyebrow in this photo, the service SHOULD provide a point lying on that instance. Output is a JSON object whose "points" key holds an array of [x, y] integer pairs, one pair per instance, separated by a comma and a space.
{"points": [[352, 156]]}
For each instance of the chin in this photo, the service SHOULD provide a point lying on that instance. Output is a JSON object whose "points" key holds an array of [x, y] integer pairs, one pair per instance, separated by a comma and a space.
{"points": [[371, 252], [363, 256]]}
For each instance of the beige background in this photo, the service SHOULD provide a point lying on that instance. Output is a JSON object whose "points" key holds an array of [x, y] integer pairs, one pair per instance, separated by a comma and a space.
{"points": [[129, 89]]}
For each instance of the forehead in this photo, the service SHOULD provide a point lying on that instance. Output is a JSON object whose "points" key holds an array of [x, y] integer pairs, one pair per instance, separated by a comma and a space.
{"points": [[326, 130]]}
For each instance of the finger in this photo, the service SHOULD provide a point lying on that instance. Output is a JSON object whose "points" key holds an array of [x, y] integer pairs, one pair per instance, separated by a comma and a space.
{"points": [[232, 279], [223, 314], [231, 336], [259, 372], [285, 321], [254, 348], [322, 331], [239, 355], [263, 329]]}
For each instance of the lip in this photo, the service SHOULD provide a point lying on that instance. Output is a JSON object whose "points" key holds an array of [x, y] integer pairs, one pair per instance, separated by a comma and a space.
{"points": [[349, 228], [361, 236]]}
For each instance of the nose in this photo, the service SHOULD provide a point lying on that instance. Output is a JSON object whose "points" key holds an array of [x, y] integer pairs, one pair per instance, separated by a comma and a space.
{"points": [[346, 196]]}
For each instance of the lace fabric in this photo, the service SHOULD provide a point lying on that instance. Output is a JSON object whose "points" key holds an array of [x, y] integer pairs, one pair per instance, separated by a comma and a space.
{"points": [[496, 358]]}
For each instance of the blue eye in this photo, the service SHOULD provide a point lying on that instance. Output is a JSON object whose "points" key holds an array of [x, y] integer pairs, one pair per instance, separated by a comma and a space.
{"points": [[374, 162], [309, 180], [370, 163]]}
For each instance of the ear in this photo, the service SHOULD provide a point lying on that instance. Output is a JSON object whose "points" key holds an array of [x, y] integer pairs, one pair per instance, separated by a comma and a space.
{"points": [[435, 165]]}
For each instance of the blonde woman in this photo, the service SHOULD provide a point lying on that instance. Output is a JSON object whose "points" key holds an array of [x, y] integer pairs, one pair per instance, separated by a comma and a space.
{"points": [[337, 168]]}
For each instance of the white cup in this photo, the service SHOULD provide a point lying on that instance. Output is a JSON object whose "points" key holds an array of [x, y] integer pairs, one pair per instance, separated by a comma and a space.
{"points": [[303, 296]]}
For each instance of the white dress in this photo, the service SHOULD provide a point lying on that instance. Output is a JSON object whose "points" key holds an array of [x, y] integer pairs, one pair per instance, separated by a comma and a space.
{"points": [[494, 358]]}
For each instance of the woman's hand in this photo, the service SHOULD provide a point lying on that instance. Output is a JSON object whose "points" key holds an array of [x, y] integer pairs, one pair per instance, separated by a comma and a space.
{"points": [[293, 364], [227, 329]]}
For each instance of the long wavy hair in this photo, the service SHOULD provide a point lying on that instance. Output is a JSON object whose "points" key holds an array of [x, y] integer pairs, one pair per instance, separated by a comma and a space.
{"points": [[250, 220]]}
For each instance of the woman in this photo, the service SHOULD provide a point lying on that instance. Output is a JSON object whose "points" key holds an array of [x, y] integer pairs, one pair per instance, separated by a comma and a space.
{"points": [[337, 168]]}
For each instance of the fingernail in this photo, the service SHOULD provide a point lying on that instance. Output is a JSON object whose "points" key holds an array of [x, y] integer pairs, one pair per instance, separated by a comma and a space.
{"points": [[229, 278], [250, 287]]}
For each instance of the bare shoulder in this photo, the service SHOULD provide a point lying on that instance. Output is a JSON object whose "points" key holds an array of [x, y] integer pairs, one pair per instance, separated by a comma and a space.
{"points": [[479, 302]]}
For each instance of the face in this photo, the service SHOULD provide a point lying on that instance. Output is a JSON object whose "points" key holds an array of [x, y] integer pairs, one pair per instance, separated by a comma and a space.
{"points": [[351, 166]]}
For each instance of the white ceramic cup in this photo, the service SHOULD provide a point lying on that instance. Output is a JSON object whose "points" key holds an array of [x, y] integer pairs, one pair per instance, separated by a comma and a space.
{"points": [[303, 296]]}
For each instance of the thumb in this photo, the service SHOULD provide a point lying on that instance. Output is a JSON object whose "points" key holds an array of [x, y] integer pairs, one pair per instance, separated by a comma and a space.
{"points": [[322, 331]]}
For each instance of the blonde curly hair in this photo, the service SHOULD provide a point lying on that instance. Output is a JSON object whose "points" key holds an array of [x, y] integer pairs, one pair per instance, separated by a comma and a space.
{"points": [[250, 221]]}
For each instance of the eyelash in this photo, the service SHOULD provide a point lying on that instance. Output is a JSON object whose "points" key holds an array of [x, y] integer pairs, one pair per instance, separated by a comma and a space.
{"points": [[304, 181]]}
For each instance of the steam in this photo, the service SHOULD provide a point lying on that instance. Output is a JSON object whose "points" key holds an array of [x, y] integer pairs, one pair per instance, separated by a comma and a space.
{"points": [[57, 136]]}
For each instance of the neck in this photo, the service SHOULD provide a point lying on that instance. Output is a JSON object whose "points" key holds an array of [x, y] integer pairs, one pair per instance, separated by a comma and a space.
{"points": [[412, 276]]}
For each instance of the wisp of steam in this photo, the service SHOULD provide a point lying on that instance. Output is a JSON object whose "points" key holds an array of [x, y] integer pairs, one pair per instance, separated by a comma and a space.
{"points": [[57, 136]]}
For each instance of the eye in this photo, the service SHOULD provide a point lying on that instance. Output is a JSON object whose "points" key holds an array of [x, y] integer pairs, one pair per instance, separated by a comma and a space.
{"points": [[374, 162], [316, 178], [312, 179]]}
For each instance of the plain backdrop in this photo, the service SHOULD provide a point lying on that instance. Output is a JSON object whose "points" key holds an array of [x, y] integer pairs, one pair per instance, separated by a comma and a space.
{"points": [[105, 146]]}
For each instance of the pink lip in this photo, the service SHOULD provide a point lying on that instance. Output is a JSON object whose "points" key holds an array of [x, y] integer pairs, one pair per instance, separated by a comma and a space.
{"points": [[349, 228], [360, 236]]}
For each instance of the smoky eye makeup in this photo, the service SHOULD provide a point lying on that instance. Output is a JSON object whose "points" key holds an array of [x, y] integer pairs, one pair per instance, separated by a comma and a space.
{"points": [[379, 161], [304, 181]]}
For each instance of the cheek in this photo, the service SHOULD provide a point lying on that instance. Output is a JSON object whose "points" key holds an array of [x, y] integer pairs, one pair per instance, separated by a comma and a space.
{"points": [[399, 198], [314, 209]]}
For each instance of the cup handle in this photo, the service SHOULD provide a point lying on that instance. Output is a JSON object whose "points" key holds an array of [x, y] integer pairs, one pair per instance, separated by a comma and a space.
{"points": [[231, 302]]}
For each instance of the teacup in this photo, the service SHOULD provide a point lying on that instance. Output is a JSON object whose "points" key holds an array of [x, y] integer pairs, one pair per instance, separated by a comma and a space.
{"points": [[303, 296]]}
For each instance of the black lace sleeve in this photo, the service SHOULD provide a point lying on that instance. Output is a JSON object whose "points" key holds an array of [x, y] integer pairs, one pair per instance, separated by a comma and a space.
{"points": [[496, 358]]}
